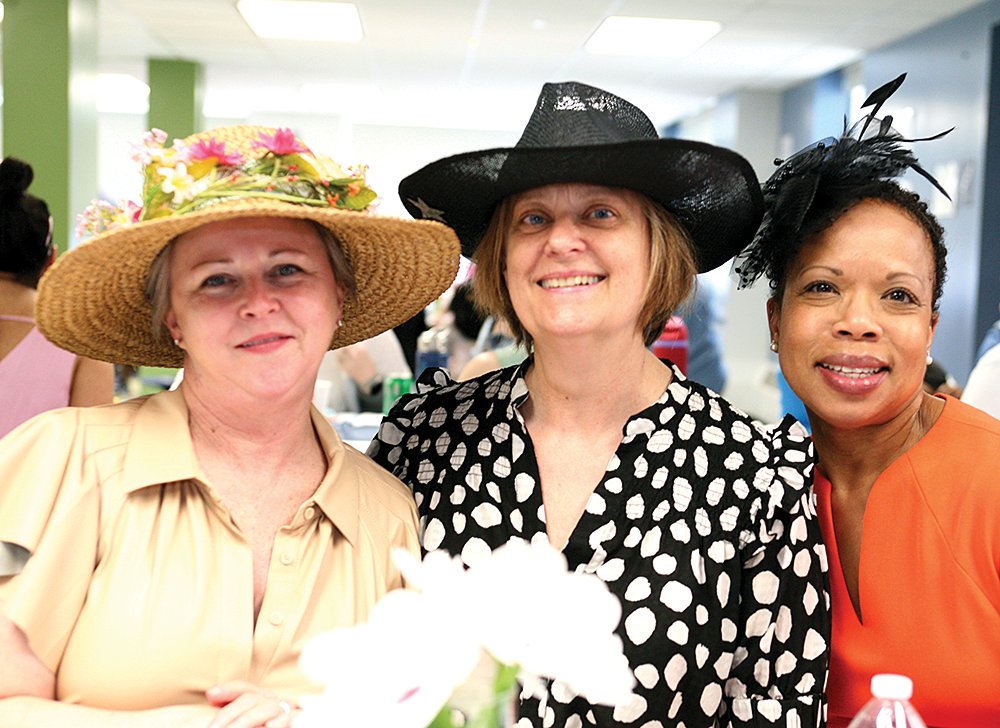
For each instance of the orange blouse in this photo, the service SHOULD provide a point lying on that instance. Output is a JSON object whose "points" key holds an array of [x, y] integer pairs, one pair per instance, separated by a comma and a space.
{"points": [[929, 578]]}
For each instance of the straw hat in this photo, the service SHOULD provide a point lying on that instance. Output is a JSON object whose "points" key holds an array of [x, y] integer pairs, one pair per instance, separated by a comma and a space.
{"points": [[578, 133], [92, 301]]}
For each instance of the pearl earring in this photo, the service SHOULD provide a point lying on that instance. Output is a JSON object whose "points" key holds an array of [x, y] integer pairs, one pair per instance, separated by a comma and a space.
{"points": [[340, 323], [930, 359], [177, 342], [774, 346]]}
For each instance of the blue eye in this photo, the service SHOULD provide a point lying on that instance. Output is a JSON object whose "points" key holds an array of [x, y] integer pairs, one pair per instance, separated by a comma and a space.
{"points": [[603, 213], [215, 281], [533, 219], [287, 269]]}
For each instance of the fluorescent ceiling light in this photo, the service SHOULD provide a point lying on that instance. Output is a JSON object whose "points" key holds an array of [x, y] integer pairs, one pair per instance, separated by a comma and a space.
{"points": [[302, 20], [661, 37], [121, 93]]}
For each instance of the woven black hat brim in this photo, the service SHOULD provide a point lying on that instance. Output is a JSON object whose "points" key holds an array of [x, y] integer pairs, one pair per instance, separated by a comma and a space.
{"points": [[712, 191]]}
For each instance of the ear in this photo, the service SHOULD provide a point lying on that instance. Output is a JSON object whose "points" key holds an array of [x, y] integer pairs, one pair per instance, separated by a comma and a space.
{"points": [[935, 317], [773, 317], [170, 321]]}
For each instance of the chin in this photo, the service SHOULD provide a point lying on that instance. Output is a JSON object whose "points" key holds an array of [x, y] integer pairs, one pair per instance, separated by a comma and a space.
{"points": [[853, 418]]}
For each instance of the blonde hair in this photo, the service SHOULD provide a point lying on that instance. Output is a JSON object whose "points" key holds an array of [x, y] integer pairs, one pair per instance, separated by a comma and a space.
{"points": [[158, 281], [672, 270]]}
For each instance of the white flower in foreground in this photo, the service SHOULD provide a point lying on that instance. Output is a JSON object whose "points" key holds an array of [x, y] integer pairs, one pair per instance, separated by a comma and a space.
{"points": [[527, 609], [447, 643], [551, 622], [395, 671]]}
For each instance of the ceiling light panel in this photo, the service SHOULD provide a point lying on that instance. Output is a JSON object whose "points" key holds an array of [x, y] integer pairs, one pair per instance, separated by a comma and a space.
{"points": [[652, 37], [303, 20]]}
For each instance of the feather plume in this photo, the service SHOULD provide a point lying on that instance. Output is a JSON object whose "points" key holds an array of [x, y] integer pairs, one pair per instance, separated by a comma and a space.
{"points": [[869, 151]]}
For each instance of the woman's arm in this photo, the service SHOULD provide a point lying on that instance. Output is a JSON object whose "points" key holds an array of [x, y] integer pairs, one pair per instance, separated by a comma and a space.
{"points": [[21, 672], [783, 642], [93, 383], [38, 713], [234, 705]]}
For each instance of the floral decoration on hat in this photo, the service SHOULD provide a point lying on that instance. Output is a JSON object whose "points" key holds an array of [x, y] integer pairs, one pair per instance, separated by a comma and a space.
{"points": [[204, 170]]}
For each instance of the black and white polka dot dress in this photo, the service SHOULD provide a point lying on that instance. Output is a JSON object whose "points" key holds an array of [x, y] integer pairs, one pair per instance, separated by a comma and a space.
{"points": [[703, 525]]}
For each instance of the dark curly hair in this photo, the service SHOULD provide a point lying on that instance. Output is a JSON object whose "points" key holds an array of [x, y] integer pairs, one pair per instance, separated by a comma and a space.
{"points": [[814, 187], [25, 235], [831, 202]]}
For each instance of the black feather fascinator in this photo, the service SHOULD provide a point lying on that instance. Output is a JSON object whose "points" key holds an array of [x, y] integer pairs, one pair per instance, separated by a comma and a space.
{"points": [[870, 151]]}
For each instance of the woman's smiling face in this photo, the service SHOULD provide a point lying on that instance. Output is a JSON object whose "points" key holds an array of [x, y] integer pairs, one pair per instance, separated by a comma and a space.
{"points": [[577, 261], [253, 300], [855, 322]]}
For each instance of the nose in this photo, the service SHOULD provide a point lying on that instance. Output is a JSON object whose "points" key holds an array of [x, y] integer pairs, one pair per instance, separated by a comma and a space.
{"points": [[857, 319], [259, 299], [564, 236]]}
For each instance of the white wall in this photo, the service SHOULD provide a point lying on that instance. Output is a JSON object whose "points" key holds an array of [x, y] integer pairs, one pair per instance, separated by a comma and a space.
{"points": [[750, 124]]}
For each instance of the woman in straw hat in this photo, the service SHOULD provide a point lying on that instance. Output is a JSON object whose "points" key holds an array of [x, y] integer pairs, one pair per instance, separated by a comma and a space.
{"points": [[35, 374], [587, 234], [906, 481], [166, 558]]}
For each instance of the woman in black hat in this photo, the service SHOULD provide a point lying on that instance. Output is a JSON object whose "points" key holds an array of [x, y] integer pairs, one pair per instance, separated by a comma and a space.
{"points": [[587, 234]]}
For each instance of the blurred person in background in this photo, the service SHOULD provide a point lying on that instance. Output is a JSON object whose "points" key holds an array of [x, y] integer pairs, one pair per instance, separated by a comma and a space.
{"points": [[983, 388], [35, 375]]}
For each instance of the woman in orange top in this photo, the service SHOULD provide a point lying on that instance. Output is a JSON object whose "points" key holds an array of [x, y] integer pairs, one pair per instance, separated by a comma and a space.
{"points": [[906, 482]]}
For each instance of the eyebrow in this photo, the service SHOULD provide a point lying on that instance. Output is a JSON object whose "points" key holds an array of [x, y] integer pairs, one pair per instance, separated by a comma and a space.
{"points": [[834, 271], [272, 254], [894, 275]]}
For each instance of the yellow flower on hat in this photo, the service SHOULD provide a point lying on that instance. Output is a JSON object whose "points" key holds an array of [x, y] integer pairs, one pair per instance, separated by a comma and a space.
{"points": [[178, 182]]}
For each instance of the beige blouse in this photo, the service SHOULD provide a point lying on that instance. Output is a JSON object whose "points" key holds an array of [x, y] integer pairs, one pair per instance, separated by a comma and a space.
{"points": [[138, 591]]}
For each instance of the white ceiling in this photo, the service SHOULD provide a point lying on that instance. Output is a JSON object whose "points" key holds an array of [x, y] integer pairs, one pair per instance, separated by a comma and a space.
{"points": [[478, 64]]}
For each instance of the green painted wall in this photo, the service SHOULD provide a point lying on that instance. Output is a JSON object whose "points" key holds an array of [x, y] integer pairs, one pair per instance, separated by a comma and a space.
{"points": [[49, 101], [176, 90]]}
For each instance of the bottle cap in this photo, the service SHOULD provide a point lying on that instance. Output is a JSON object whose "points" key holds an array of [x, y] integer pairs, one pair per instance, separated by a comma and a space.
{"points": [[892, 687]]}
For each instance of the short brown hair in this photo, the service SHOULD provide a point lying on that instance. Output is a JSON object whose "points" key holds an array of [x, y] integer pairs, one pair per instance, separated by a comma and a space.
{"points": [[672, 269], [158, 280]]}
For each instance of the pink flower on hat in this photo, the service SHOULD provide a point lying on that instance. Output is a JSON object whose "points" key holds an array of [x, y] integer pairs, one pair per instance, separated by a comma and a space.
{"points": [[205, 149], [282, 142]]}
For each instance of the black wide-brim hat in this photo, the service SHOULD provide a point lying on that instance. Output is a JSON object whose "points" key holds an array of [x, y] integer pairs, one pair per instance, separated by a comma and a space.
{"points": [[581, 134]]}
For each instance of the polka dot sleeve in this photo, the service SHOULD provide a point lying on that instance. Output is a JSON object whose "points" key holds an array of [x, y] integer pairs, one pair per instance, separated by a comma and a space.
{"points": [[779, 670]]}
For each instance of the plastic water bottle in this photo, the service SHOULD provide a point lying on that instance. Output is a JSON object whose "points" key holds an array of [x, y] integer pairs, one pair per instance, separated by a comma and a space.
{"points": [[890, 705], [432, 350], [672, 344]]}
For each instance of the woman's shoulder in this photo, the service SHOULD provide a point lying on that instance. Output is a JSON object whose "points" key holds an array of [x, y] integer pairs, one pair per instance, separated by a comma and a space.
{"points": [[379, 485], [961, 449], [777, 459], [714, 410], [437, 392], [62, 422], [965, 422]]}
